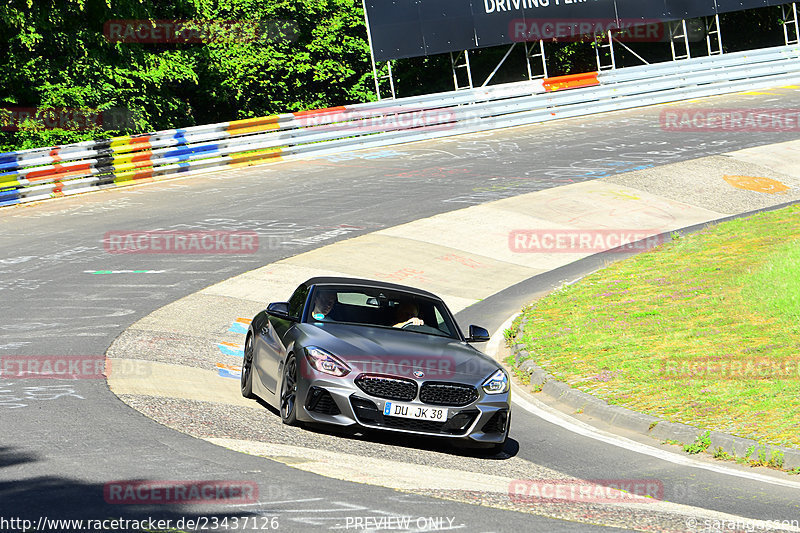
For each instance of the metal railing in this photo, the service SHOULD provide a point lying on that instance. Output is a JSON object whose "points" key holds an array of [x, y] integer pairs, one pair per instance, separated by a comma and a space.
{"points": [[41, 173]]}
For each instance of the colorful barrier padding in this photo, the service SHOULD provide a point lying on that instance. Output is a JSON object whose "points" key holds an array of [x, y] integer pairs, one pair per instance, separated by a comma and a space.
{"points": [[41, 173], [30, 175]]}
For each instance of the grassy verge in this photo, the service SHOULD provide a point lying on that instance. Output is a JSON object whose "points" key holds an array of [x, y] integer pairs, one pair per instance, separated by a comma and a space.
{"points": [[704, 330]]}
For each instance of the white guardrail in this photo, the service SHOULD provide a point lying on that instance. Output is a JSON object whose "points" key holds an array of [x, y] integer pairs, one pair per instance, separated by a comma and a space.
{"points": [[36, 174]]}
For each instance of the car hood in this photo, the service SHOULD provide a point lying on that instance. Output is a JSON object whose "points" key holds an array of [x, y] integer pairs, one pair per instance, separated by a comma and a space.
{"points": [[396, 352]]}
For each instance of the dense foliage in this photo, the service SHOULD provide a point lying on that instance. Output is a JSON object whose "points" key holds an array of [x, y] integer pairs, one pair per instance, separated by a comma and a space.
{"points": [[301, 54], [57, 56]]}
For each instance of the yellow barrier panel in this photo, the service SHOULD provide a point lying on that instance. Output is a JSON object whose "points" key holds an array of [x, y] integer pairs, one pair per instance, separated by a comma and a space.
{"points": [[251, 158]]}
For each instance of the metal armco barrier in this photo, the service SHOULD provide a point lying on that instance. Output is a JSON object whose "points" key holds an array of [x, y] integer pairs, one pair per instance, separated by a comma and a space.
{"points": [[41, 173]]}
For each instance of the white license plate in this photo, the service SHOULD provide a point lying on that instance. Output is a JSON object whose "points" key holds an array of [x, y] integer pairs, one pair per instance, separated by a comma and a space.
{"points": [[417, 412]]}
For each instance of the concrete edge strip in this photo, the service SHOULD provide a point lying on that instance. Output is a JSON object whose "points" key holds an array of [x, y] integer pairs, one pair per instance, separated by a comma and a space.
{"points": [[391, 474], [133, 377]]}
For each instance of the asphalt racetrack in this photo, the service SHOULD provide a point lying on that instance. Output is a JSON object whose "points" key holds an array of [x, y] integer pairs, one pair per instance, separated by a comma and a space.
{"points": [[63, 294]]}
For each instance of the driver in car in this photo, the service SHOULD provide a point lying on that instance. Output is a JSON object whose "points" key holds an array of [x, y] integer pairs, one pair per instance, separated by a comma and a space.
{"points": [[323, 306], [407, 315]]}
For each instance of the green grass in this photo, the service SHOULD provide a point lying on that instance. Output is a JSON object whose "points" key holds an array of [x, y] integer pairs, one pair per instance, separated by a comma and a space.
{"points": [[703, 330], [701, 444], [775, 287]]}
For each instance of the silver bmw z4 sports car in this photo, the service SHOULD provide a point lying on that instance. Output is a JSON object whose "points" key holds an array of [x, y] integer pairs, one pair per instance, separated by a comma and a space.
{"points": [[375, 355]]}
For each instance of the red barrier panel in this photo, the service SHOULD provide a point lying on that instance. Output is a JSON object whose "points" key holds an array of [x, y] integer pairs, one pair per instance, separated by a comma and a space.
{"points": [[571, 81]]}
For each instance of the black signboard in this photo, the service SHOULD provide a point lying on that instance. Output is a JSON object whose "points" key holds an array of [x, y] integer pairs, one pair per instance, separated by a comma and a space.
{"points": [[411, 28]]}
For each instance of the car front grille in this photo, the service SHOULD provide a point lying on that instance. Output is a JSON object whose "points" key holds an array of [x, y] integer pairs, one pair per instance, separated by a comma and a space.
{"points": [[447, 394], [423, 426], [386, 387], [368, 414], [457, 425]]}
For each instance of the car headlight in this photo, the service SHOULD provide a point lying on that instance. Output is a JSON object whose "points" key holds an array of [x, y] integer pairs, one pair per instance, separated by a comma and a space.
{"points": [[326, 362], [497, 383]]}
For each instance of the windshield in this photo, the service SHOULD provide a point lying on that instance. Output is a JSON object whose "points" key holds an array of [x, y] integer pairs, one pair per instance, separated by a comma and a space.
{"points": [[380, 308]]}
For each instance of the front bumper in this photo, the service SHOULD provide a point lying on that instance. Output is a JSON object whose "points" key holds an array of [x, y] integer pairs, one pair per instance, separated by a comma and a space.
{"points": [[341, 402]]}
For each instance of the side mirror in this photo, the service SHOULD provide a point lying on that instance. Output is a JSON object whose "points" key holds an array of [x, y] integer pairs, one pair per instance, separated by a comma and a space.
{"points": [[477, 334], [279, 310]]}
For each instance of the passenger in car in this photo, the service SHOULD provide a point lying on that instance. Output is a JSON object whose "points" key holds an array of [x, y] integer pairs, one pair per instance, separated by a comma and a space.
{"points": [[407, 315]]}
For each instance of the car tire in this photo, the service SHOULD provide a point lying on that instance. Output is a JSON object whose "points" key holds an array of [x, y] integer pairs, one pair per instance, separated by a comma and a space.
{"points": [[288, 398], [247, 369]]}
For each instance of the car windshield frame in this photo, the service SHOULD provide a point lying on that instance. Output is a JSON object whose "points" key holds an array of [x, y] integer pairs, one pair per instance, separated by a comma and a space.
{"points": [[387, 300]]}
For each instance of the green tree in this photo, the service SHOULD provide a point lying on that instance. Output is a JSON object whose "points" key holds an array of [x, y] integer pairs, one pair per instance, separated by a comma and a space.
{"points": [[298, 55]]}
